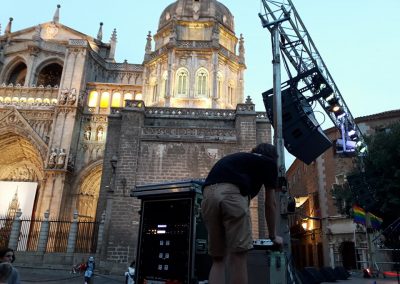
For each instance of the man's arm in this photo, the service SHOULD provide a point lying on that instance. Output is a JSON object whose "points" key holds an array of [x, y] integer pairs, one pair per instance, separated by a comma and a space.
{"points": [[270, 215]]}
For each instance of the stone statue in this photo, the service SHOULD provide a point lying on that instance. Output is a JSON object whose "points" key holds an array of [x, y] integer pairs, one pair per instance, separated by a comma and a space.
{"points": [[100, 134], [61, 158], [88, 134], [52, 158], [72, 97], [63, 96]]}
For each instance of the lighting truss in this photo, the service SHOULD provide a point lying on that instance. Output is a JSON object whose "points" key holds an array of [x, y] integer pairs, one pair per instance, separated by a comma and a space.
{"points": [[298, 48]]}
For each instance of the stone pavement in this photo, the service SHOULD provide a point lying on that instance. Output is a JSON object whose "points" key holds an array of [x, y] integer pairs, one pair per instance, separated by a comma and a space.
{"points": [[51, 276]]}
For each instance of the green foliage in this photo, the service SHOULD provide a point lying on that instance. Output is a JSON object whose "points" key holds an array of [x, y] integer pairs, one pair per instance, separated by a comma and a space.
{"points": [[382, 173], [343, 198]]}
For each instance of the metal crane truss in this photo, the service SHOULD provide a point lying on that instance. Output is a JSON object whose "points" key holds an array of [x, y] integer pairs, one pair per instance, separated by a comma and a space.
{"points": [[313, 77]]}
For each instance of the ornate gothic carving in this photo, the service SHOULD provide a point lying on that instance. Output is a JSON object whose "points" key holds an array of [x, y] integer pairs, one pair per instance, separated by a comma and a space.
{"points": [[51, 31], [67, 96], [57, 158], [22, 173]]}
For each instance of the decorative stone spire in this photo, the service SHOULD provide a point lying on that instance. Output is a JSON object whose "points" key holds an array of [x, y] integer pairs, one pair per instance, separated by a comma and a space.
{"points": [[100, 32], [113, 44], [0, 29], [56, 17], [248, 100], [241, 48], [7, 31], [148, 43]]}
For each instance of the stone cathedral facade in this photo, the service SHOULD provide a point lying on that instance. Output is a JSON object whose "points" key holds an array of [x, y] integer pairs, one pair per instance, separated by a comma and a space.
{"points": [[87, 129]]}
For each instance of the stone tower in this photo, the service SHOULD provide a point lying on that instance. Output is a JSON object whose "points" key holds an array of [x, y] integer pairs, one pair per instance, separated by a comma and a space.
{"points": [[195, 62]]}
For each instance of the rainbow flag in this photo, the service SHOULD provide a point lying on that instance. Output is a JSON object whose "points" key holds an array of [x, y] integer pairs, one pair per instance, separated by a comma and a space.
{"points": [[358, 214], [375, 221]]}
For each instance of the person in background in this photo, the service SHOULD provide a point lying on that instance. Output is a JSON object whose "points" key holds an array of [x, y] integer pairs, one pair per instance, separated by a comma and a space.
{"points": [[230, 185], [7, 256], [5, 272], [90, 266], [130, 274]]}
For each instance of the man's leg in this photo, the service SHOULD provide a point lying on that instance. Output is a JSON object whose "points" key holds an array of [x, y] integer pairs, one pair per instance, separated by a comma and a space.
{"points": [[237, 267], [217, 272]]}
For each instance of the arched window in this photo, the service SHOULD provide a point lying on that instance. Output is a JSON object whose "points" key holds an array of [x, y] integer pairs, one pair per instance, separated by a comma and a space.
{"points": [[50, 75], [164, 84], [105, 100], [93, 97], [231, 93], [18, 75], [219, 85], [155, 93], [127, 96], [201, 82], [116, 100], [182, 77]]}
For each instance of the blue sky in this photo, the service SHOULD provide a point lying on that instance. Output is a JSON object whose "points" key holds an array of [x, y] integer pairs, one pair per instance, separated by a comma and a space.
{"points": [[357, 39]]}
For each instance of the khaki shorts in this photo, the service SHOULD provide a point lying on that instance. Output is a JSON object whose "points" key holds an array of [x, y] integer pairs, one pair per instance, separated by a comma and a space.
{"points": [[226, 215]]}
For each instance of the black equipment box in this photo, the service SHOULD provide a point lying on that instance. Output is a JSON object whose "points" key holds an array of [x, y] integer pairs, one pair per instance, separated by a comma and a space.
{"points": [[266, 267], [172, 241]]}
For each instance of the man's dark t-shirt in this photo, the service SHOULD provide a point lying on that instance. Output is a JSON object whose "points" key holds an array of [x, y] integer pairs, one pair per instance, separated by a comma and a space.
{"points": [[249, 171]]}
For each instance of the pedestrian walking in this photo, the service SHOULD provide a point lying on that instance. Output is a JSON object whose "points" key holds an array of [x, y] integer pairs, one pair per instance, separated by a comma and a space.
{"points": [[7, 256], [89, 272], [130, 274], [5, 272]]}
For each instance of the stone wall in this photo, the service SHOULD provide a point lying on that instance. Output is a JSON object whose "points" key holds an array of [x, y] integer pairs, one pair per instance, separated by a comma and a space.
{"points": [[154, 145]]}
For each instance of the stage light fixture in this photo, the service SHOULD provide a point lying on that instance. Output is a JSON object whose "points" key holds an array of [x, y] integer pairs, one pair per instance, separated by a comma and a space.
{"points": [[361, 147], [334, 105], [348, 147], [320, 86], [352, 135]]}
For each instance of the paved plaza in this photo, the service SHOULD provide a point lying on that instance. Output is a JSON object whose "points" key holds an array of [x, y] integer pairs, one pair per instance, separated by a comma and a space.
{"points": [[40, 275]]}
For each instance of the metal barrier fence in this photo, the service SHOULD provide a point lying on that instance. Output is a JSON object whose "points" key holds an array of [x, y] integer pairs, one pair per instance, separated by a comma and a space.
{"points": [[29, 235], [5, 230], [58, 235], [57, 238], [86, 239]]}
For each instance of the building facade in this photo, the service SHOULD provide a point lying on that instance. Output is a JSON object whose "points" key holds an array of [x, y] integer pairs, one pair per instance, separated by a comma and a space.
{"points": [[319, 231], [87, 129]]}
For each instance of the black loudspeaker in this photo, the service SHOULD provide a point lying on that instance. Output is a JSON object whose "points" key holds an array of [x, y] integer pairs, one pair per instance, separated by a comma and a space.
{"points": [[172, 240], [302, 134], [328, 273], [341, 273], [314, 274]]}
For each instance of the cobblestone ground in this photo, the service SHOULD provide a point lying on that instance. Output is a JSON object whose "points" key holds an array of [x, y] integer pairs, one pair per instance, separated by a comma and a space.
{"points": [[51, 276]]}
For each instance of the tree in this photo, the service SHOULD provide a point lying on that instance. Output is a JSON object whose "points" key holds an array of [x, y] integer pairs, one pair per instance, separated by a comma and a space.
{"points": [[377, 187], [382, 172]]}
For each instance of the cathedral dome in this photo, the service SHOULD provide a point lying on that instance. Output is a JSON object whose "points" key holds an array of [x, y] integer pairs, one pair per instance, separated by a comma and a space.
{"points": [[197, 10]]}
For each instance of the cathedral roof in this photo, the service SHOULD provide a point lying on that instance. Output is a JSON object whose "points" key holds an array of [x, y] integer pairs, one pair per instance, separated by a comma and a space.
{"points": [[199, 10]]}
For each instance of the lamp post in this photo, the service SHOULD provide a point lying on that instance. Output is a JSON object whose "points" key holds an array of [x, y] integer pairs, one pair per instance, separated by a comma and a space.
{"points": [[113, 162]]}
